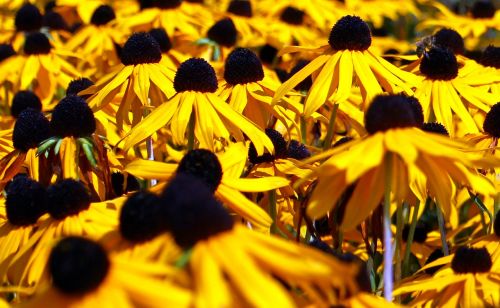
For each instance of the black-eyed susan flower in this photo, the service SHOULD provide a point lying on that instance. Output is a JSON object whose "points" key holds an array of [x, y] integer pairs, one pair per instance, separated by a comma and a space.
{"points": [[30, 129], [23, 205], [167, 14], [398, 153], [96, 42], [220, 38], [141, 234], [321, 13], [83, 275], [140, 83], [481, 18], [75, 149], [250, 92], [468, 279], [197, 113], [250, 26], [222, 173], [43, 68], [200, 224], [27, 19], [71, 213], [293, 27], [347, 56], [390, 119], [171, 58], [444, 92]]}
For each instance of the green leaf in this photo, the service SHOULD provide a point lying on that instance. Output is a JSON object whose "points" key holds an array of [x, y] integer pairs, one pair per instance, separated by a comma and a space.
{"points": [[45, 145], [87, 149], [58, 146], [184, 258]]}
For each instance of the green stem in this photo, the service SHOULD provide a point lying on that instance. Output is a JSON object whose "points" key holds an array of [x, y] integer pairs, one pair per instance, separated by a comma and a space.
{"points": [[388, 270], [331, 127], [191, 124], [409, 240], [273, 211], [442, 230]]}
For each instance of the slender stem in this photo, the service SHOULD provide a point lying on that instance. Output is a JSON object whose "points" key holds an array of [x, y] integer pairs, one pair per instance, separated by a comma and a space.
{"points": [[191, 124], [496, 206], [331, 126], [442, 230], [149, 143], [303, 129], [388, 283], [273, 211], [409, 240], [399, 240], [340, 239]]}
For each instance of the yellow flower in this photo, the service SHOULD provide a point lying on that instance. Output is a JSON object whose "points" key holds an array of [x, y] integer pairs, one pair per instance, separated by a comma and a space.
{"points": [[215, 243], [97, 41], [250, 92], [195, 104], [334, 69], [30, 129], [82, 275], [227, 167], [376, 11], [71, 214], [404, 150], [141, 235], [482, 17], [440, 68], [468, 279], [142, 82], [168, 14], [43, 68]]}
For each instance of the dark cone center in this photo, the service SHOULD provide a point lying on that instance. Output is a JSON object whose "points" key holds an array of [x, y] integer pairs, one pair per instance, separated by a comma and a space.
{"points": [[78, 265], [204, 165], [471, 260], [195, 74], [491, 123], [223, 33], [439, 64], [25, 201], [161, 36], [451, 39], [102, 15], [73, 117], [292, 16], [191, 211], [243, 66], [436, 128], [28, 18], [240, 8], [140, 218], [389, 111], [351, 33], [140, 48], [37, 44], [66, 198], [280, 148], [30, 129], [491, 57], [23, 100]]}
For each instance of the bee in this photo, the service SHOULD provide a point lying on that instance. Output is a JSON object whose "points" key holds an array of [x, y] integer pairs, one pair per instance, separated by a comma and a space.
{"points": [[424, 45]]}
